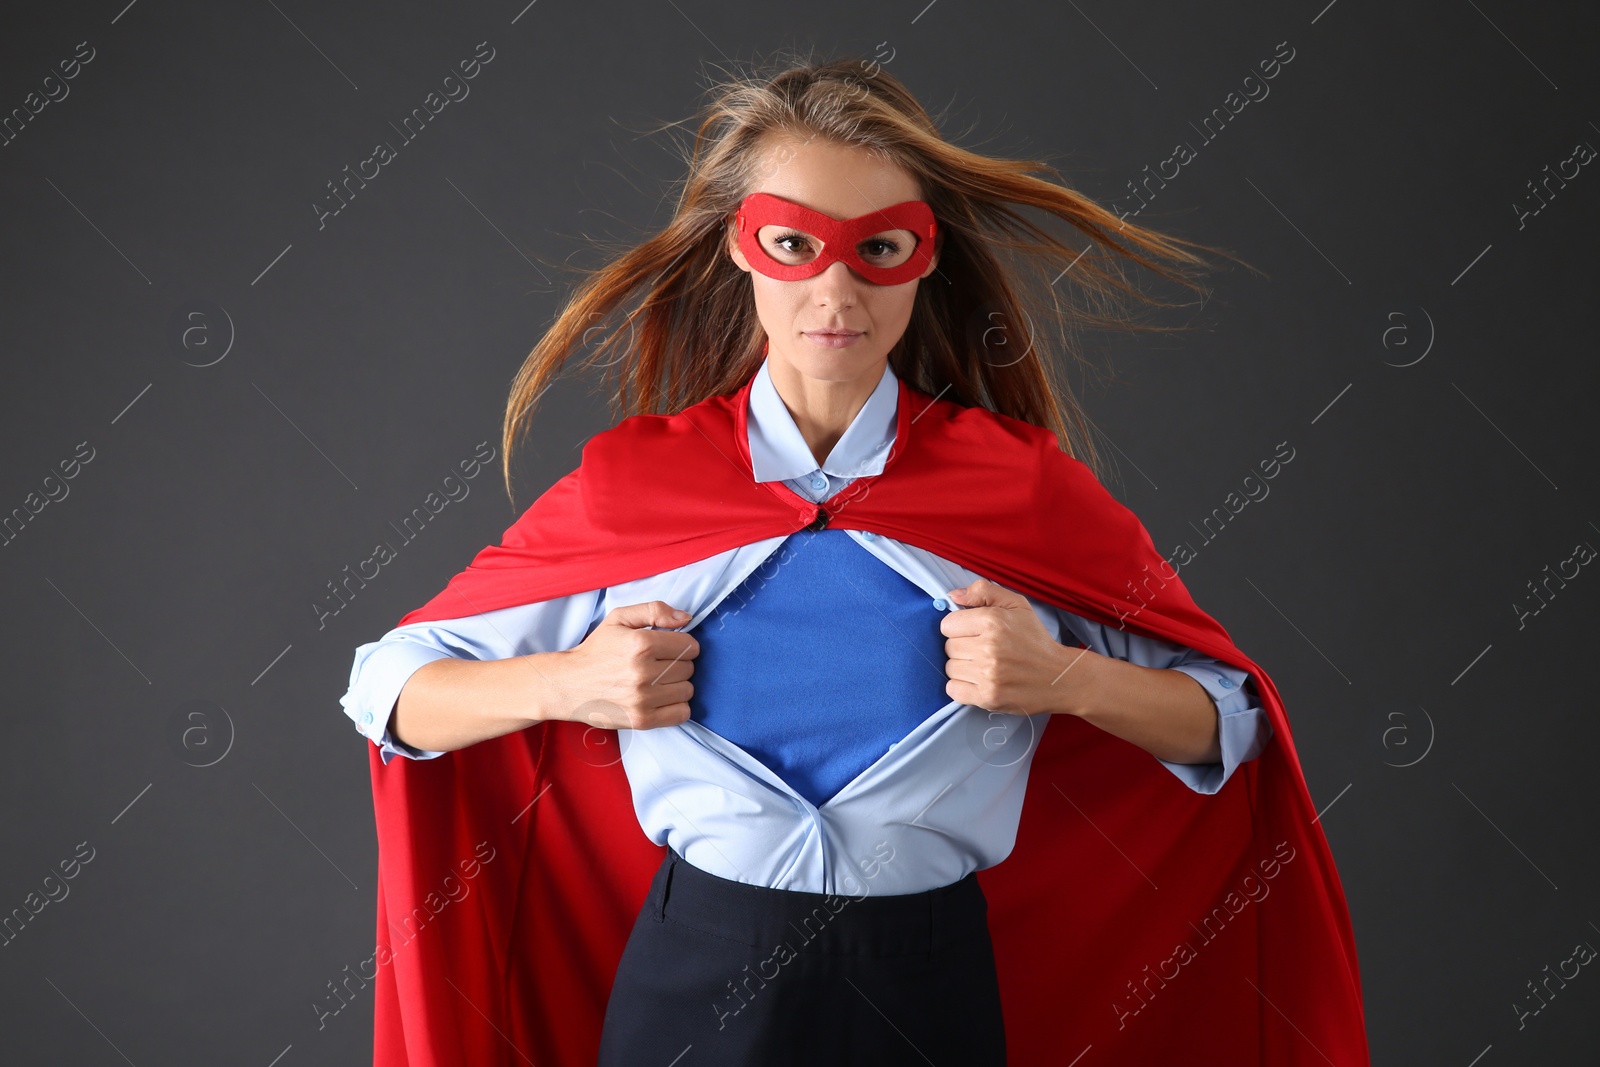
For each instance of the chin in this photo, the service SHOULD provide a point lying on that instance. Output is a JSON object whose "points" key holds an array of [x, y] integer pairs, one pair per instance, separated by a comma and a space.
{"points": [[836, 364]]}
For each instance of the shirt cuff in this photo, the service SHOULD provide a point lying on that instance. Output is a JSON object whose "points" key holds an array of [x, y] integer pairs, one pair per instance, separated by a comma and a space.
{"points": [[370, 699], [1243, 729]]}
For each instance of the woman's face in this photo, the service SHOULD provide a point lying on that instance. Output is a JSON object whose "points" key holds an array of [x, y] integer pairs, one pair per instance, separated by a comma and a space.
{"points": [[843, 182]]}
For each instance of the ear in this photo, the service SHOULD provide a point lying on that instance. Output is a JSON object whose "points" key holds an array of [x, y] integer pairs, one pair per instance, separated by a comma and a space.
{"points": [[933, 261], [731, 245]]}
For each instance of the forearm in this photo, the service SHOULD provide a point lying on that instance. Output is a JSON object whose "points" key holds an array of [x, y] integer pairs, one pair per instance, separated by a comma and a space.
{"points": [[452, 703], [1165, 712]]}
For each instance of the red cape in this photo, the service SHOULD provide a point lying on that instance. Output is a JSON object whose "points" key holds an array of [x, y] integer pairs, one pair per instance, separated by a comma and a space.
{"points": [[1153, 923]]}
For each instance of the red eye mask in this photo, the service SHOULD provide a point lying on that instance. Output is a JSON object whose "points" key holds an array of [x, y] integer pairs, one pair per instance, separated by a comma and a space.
{"points": [[839, 238]]}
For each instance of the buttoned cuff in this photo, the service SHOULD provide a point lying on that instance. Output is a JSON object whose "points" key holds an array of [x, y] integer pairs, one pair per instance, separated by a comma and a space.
{"points": [[370, 701], [1243, 729]]}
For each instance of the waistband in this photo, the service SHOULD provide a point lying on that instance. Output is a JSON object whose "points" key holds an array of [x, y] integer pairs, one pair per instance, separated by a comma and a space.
{"points": [[825, 923]]}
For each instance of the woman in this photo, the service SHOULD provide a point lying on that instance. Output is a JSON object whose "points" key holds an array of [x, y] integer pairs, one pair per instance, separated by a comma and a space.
{"points": [[827, 722]]}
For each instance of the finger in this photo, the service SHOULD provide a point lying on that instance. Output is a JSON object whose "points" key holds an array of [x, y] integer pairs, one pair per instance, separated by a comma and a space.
{"points": [[968, 622], [961, 647], [960, 670], [672, 671], [654, 613], [672, 645], [658, 697], [669, 715], [983, 591]]}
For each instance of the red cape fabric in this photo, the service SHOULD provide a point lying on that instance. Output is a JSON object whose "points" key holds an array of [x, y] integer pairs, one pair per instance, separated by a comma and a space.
{"points": [[1134, 917]]}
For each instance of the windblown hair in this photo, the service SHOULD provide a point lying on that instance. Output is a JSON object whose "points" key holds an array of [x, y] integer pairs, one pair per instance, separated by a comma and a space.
{"points": [[682, 317]]}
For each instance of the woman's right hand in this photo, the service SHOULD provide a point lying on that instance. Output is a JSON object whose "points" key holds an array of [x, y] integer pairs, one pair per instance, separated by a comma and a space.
{"points": [[625, 675]]}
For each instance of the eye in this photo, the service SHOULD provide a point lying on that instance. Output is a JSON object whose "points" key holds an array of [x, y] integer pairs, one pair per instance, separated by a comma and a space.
{"points": [[890, 248], [790, 244], [796, 248]]}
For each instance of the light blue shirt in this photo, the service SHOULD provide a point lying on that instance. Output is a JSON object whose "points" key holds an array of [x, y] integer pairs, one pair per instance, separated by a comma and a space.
{"points": [[942, 802]]}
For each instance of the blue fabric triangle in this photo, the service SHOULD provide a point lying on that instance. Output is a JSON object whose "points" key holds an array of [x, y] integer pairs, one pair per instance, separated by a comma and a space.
{"points": [[819, 661]]}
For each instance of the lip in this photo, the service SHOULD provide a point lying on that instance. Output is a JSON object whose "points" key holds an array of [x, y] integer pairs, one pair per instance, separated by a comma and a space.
{"points": [[833, 338]]}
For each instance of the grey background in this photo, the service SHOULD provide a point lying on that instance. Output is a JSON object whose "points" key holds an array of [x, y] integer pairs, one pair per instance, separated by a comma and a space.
{"points": [[1374, 185]]}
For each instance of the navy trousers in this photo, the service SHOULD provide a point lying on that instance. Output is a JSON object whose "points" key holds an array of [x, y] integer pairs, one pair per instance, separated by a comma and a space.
{"points": [[723, 972]]}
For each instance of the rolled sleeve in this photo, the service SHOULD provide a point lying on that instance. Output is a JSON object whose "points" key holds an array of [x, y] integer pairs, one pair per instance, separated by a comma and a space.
{"points": [[1243, 730], [381, 669]]}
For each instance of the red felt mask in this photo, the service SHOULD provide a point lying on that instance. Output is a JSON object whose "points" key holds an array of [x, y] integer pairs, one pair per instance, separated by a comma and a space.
{"points": [[839, 238]]}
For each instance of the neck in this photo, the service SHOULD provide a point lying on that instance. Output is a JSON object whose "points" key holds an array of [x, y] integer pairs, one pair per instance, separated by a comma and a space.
{"points": [[823, 410]]}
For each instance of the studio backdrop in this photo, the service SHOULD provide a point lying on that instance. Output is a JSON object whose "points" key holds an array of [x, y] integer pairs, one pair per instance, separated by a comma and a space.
{"points": [[269, 269]]}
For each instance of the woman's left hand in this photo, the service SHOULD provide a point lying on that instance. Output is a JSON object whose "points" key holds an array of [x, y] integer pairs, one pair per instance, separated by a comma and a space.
{"points": [[1001, 658]]}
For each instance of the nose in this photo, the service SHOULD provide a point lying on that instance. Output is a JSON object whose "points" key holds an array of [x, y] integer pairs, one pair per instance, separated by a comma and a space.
{"points": [[838, 285]]}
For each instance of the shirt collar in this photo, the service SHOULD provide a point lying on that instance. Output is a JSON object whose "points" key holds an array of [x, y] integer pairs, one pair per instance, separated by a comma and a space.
{"points": [[778, 451]]}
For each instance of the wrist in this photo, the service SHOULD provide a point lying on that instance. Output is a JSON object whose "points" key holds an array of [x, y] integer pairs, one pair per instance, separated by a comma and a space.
{"points": [[542, 674], [1078, 678]]}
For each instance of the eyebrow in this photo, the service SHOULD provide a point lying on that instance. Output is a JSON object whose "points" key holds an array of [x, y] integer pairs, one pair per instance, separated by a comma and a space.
{"points": [[874, 233]]}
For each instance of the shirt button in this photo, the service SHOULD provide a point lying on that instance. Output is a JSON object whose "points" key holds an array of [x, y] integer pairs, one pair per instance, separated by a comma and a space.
{"points": [[819, 482], [868, 534], [941, 603], [1227, 683], [366, 718]]}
